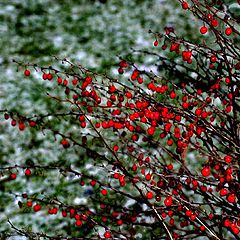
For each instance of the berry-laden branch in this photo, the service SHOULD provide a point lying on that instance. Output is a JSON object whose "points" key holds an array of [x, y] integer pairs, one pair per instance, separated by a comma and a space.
{"points": [[153, 154]]}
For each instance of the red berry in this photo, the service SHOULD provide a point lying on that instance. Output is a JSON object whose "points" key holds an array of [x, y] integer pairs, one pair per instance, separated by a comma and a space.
{"points": [[172, 94], [65, 143], [107, 234], [65, 82], [164, 46], [168, 201], [49, 76], [223, 192], [186, 55], [27, 73], [29, 203], [213, 59], [231, 198], [198, 111], [175, 47], [37, 207], [170, 142], [64, 213], [119, 222], [188, 213], [104, 192], [228, 31], [203, 30], [170, 167], [209, 17], [28, 172], [155, 43], [78, 223], [214, 23], [45, 76], [235, 230], [184, 5], [6, 116], [120, 70], [93, 182], [206, 171], [21, 126], [134, 167], [227, 159], [151, 130], [149, 195], [32, 123], [59, 80], [12, 176], [202, 228], [74, 81], [13, 122], [123, 64], [115, 148]]}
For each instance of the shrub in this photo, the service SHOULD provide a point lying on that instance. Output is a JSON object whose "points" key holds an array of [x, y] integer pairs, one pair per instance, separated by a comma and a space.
{"points": [[150, 154]]}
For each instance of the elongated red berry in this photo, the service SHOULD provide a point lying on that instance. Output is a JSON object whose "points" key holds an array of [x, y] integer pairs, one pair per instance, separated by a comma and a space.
{"points": [[27, 72]]}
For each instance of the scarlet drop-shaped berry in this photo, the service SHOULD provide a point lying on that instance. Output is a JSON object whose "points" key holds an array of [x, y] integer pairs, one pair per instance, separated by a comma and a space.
{"points": [[78, 223], [213, 59], [227, 159], [168, 201], [28, 172], [206, 171], [37, 207], [6, 116], [134, 167], [228, 31], [236, 230], [119, 222], [107, 234], [120, 70], [104, 192], [115, 148], [209, 17], [155, 43], [12, 176], [27, 73], [65, 143], [13, 122], [203, 30], [188, 213], [170, 167], [231, 198], [74, 82], [21, 126], [32, 123], [185, 5], [149, 195], [49, 76], [45, 76], [64, 213], [202, 228], [59, 79], [175, 47], [93, 182], [123, 64], [214, 23], [186, 55], [65, 82], [172, 95], [223, 192], [151, 130], [164, 46]]}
